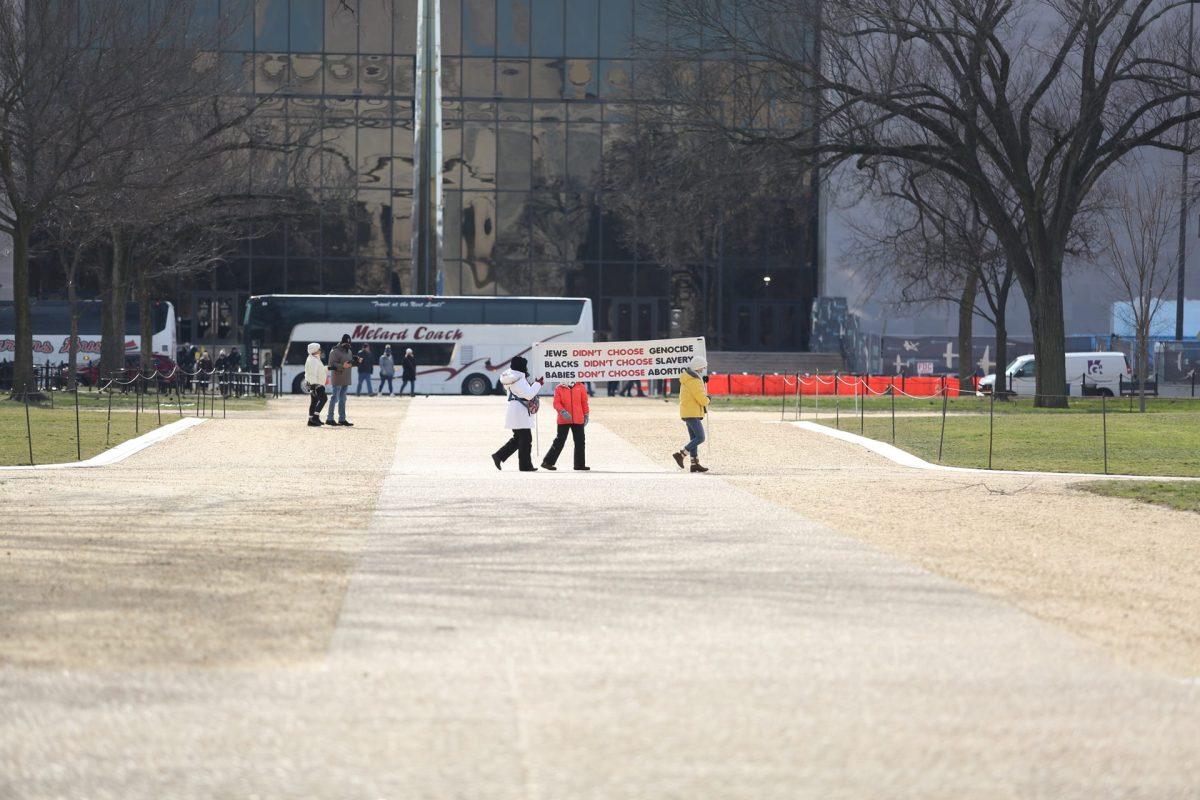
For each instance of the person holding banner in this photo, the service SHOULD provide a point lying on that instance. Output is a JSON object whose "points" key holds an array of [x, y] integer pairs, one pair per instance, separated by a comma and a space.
{"points": [[693, 403], [520, 416], [571, 403]]}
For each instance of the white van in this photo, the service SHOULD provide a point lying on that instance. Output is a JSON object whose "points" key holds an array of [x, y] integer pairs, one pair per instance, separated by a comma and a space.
{"points": [[1102, 371]]}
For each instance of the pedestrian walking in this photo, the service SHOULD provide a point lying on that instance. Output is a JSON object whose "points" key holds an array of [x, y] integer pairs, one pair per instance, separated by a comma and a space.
{"points": [[387, 371], [408, 372], [315, 374], [366, 368], [341, 362], [521, 413], [693, 404], [571, 403]]}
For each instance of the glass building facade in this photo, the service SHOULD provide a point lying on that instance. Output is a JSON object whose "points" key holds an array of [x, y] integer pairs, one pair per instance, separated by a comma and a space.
{"points": [[533, 93]]}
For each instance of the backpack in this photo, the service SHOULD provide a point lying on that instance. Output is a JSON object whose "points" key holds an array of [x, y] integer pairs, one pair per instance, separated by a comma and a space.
{"points": [[531, 406]]}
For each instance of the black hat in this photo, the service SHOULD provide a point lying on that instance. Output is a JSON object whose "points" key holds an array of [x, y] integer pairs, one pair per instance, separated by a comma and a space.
{"points": [[520, 364], [345, 338]]}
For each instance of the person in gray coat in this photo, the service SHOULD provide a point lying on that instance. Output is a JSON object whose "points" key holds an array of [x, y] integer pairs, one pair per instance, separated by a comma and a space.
{"points": [[341, 365], [387, 370]]}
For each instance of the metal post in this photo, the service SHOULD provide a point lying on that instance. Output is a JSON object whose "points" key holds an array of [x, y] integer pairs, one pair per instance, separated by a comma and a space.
{"points": [[991, 425], [1104, 423], [137, 407], [862, 407], [783, 400], [837, 404], [158, 400], [1184, 181], [892, 392], [799, 398], [28, 427], [108, 426], [942, 437], [78, 443]]}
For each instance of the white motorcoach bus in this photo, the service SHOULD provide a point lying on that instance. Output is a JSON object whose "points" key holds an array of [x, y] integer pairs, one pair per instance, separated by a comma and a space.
{"points": [[461, 344], [52, 330]]}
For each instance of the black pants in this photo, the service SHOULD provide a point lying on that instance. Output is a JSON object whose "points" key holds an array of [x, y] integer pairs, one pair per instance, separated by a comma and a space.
{"points": [[521, 443], [411, 383], [316, 401], [561, 439]]}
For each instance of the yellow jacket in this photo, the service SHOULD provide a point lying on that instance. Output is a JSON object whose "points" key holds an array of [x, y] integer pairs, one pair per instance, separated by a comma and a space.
{"points": [[692, 397]]}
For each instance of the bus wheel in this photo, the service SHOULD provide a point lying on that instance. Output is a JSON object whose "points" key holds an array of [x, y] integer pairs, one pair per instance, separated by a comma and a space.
{"points": [[296, 384], [477, 385]]}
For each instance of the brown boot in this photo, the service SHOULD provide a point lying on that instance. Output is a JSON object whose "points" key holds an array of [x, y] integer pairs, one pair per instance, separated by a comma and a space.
{"points": [[678, 458], [696, 466]]}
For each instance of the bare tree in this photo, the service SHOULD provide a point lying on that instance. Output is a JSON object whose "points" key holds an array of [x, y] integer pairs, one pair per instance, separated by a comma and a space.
{"points": [[932, 245], [1027, 104], [1142, 220]]}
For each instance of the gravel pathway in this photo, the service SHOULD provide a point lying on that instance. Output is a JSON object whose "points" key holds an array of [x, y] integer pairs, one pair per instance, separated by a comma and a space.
{"points": [[630, 632]]}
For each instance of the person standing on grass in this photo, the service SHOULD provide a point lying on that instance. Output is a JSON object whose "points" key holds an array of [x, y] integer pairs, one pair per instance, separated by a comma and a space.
{"points": [[408, 372], [341, 362], [366, 368], [315, 373], [387, 371], [693, 403], [571, 403], [520, 416]]}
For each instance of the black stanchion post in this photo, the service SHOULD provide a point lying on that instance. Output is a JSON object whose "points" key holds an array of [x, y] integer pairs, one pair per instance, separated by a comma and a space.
{"points": [[799, 398], [892, 391], [137, 408], [942, 436], [837, 402], [862, 406], [158, 400], [78, 440], [782, 399], [28, 427], [108, 425], [1104, 425], [991, 425], [222, 405]]}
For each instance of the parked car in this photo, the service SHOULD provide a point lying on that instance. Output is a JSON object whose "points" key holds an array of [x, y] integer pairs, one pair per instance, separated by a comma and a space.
{"points": [[1101, 372], [89, 374]]}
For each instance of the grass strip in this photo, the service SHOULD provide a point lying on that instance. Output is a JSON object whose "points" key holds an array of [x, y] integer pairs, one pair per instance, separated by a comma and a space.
{"points": [[1181, 496]]}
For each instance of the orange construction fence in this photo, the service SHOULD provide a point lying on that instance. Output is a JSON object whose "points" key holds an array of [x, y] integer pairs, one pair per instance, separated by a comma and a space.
{"points": [[746, 385]]}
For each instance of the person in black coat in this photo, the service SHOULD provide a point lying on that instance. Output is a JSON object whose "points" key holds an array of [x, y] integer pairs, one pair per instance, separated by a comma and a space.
{"points": [[408, 372]]}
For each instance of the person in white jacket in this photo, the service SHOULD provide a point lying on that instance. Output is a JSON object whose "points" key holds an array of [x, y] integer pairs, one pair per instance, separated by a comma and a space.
{"points": [[520, 415], [315, 373]]}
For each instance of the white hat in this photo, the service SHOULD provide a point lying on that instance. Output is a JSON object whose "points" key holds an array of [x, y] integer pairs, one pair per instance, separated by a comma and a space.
{"points": [[314, 348], [698, 364], [408, 352]]}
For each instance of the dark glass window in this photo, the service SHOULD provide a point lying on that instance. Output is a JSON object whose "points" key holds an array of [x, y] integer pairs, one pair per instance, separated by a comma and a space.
{"points": [[510, 312], [307, 28], [547, 39], [559, 312], [458, 312], [479, 27], [512, 27], [616, 27], [451, 27], [582, 19], [238, 24], [271, 26]]}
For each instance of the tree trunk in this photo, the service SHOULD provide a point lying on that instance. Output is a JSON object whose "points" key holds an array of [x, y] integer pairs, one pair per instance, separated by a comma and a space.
{"points": [[145, 322], [966, 329], [112, 338], [1000, 387], [1143, 359], [23, 329], [73, 310], [1049, 341]]}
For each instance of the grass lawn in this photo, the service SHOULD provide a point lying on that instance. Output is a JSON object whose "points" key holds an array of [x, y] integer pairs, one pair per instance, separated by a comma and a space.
{"points": [[1179, 496], [1163, 441], [53, 428]]}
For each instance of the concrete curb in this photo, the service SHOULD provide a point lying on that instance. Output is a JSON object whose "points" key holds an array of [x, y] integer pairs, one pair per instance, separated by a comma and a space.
{"points": [[907, 459], [121, 451]]}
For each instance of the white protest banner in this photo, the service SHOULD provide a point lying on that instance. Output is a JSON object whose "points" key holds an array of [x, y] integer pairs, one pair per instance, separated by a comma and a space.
{"points": [[614, 361]]}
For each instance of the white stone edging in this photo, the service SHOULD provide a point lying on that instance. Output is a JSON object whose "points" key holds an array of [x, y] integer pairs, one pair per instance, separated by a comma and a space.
{"points": [[907, 459], [123, 450]]}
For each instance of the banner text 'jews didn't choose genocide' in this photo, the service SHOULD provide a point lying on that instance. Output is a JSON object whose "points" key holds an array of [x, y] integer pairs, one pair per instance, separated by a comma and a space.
{"points": [[613, 361]]}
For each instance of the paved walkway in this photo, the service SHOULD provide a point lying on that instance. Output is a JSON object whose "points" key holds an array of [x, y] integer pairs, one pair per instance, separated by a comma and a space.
{"points": [[627, 633]]}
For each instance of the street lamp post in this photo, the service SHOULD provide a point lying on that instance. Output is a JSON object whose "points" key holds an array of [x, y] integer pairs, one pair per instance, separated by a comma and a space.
{"points": [[1183, 180]]}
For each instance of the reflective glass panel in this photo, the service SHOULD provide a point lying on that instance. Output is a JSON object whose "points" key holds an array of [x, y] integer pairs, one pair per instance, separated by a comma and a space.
{"points": [[512, 27], [271, 25], [375, 25], [479, 27], [451, 27], [341, 26], [582, 21], [616, 27], [307, 26], [547, 39], [405, 30]]}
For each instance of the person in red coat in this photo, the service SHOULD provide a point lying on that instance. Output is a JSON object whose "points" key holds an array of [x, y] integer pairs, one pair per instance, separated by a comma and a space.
{"points": [[571, 407]]}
